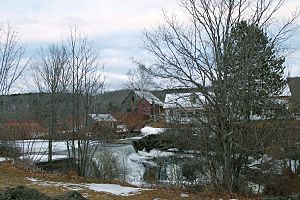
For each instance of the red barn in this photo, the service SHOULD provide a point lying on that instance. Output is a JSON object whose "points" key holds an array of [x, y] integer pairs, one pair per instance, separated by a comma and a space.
{"points": [[143, 103]]}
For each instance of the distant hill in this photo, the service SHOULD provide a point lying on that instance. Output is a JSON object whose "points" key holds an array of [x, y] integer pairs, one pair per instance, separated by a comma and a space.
{"points": [[110, 102], [30, 106], [35, 106]]}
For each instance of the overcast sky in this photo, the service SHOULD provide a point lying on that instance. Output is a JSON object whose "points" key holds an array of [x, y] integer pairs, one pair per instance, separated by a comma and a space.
{"points": [[114, 25]]}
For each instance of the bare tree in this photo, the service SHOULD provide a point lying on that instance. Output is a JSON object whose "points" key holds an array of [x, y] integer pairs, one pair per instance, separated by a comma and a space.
{"points": [[12, 62], [70, 72], [202, 54], [51, 75], [86, 82], [139, 79], [12, 65], [50, 72]]}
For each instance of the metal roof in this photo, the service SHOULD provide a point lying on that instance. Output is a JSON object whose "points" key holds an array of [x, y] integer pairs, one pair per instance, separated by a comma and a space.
{"points": [[103, 117], [148, 96], [184, 100]]}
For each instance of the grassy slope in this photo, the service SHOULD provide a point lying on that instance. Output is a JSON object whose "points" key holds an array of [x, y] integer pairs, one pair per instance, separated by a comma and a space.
{"points": [[11, 176]]}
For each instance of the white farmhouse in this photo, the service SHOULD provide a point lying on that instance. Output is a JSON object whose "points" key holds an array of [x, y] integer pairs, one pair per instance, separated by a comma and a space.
{"points": [[183, 108]]}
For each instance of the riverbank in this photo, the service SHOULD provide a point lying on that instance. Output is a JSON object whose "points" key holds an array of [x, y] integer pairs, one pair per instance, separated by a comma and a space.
{"points": [[53, 184]]}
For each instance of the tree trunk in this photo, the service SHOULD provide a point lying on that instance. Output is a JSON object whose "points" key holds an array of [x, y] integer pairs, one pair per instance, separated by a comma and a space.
{"points": [[227, 176]]}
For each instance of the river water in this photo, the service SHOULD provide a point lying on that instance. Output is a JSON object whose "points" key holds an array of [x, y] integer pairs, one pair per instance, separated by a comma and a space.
{"points": [[120, 161]]}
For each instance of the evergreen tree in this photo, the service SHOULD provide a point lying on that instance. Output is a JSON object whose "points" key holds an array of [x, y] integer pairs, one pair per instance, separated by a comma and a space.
{"points": [[255, 71]]}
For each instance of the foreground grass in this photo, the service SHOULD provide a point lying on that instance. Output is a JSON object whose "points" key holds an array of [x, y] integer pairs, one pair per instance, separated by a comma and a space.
{"points": [[12, 176]]}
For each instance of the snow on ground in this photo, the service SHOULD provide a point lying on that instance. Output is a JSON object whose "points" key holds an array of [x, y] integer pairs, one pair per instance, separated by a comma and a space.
{"points": [[255, 162], [154, 153], [114, 189], [147, 130], [2, 159], [43, 158], [256, 188], [40, 146], [182, 195], [130, 139], [107, 188]]}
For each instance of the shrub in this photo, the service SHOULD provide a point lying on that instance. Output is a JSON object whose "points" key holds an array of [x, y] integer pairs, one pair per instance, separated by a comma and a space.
{"points": [[285, 184], [9, 150]]}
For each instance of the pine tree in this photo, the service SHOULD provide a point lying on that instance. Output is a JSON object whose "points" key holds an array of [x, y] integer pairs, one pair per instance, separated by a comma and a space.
{"points": [[255, 71]]}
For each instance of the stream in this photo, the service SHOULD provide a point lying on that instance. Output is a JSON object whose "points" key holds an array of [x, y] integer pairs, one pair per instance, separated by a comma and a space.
{"points": [[121, 161]]}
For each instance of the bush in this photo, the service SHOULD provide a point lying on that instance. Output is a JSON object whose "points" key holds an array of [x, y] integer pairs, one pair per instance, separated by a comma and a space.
{"points": [[285, 184], [9, 150]]}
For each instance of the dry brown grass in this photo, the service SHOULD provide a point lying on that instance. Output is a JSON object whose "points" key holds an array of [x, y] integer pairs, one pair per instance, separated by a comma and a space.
{"points": [[12, 176]]}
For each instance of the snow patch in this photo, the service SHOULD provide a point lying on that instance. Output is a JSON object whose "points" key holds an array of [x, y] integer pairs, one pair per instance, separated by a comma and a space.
{"points": [[131, 138], [113, 189], [43, 158], [107, 188], [256, 188], [182, 195], [147, 130], [154, 153], [41, 146], [32, 179], [2, 159]]}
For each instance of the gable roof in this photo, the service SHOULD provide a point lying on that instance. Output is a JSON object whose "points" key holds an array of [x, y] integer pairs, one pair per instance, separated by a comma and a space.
{"points": [[149, 97], [102, 117], [184, 100]]}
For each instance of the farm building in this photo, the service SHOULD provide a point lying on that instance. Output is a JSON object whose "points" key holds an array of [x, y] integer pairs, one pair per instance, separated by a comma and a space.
{"points": [[144, 103]]}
